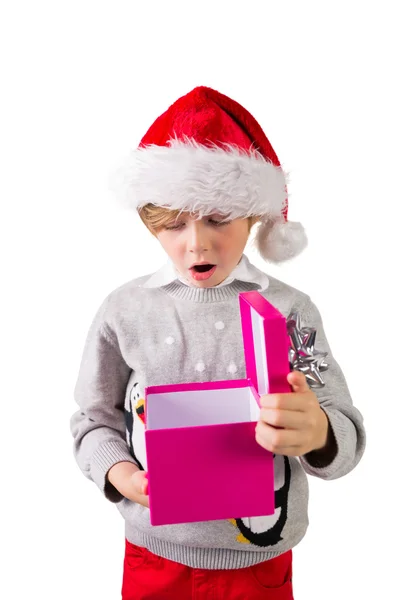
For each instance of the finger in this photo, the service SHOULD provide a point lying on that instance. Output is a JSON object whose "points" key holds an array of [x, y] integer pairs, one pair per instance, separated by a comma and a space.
{"points": [[298, 382], [279, 441], [287, 419], [289, 401]]}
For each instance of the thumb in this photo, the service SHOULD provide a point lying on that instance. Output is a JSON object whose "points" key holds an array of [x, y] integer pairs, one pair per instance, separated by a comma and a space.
{"points": [[145, 484], [298, 382]]}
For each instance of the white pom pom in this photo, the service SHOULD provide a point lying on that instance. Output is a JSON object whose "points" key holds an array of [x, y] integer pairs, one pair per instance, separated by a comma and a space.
{"points": [[278, 241]]}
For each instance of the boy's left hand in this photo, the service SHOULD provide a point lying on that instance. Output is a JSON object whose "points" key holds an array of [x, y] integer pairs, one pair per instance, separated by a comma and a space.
{"points": [[292, 424]]}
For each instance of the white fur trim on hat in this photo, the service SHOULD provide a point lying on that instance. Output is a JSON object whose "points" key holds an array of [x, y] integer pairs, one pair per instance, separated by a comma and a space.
{"points": [[200, 179], [278, 241]]}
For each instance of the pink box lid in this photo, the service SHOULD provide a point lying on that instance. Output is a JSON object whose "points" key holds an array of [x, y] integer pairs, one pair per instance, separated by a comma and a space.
{"points": [[266, 344]]}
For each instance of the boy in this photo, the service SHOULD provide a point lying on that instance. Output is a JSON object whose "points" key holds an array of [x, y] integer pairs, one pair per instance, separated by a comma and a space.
{"points": [[203, 176]]}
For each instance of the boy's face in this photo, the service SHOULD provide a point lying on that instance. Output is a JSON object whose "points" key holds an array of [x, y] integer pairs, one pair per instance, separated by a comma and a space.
{"points": [[217, 244]]}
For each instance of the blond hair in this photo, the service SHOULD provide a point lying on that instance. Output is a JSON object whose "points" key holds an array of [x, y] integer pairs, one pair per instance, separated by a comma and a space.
{"points": [[157, 217]]}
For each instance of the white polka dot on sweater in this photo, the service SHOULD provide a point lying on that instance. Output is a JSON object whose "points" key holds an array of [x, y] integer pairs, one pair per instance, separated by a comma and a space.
{"points": [[219, 325], [169, 340], [232, 368], [200, 366]]}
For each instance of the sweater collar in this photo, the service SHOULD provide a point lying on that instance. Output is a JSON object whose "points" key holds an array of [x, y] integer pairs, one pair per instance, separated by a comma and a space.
{"points": [[245, 271]]}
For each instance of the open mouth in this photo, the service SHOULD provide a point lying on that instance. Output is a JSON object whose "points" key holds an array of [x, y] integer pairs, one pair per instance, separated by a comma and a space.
{"points": [[202, 272], [203, 268]]}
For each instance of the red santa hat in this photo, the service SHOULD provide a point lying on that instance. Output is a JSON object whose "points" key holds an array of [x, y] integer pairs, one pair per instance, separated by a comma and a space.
{"points": [[208, 154]]}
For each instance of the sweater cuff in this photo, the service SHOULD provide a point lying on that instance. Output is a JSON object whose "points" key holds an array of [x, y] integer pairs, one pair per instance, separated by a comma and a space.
{"points": [[345, 436], [106, 456]]}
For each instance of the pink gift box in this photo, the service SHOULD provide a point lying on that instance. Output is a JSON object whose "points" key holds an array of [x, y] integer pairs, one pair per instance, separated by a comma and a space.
{"points": [[203, 460]]}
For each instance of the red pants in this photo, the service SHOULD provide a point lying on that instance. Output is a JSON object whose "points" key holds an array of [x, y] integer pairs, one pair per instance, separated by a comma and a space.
{"points": [[147, 576]]}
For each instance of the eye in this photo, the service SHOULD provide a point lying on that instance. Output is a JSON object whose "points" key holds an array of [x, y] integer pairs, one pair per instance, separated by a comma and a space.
{"points": [[218, 223], [174, 227]]}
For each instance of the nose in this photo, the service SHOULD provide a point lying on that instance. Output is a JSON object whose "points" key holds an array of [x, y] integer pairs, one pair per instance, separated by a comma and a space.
{"points": [[198, 237]]}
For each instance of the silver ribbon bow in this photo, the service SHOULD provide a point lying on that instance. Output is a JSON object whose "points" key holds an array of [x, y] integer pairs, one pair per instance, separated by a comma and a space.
{"points": [[302, 355]]}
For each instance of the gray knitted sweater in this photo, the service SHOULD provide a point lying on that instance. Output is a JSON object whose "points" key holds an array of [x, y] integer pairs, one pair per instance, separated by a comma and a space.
{"points": [[174, 333]]}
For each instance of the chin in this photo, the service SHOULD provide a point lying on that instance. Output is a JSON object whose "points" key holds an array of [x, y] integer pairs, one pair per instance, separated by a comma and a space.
{"points": [[211, 282]]}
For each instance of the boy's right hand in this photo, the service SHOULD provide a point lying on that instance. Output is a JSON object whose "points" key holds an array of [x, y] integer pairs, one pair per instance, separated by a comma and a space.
{"points": [[130, 481]]}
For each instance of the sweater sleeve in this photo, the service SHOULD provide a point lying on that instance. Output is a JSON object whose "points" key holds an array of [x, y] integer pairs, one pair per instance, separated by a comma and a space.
{"points": [[345, 421], [98, 427]]}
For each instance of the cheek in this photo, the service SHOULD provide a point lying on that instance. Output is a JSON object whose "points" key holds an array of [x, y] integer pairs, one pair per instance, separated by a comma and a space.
{"points": [[170, 245], [234, 241], [242, 236]]}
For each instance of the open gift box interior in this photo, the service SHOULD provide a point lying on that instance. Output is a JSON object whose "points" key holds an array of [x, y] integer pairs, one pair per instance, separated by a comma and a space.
{"points": [[203, 406]]}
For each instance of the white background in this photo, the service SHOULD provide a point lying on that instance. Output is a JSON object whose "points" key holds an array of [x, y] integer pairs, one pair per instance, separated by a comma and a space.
{"points": [[81, 83]]}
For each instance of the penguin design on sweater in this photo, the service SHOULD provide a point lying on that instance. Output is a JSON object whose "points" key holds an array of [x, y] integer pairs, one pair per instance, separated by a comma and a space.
{"points": [[266, 531], [133, 408]]}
